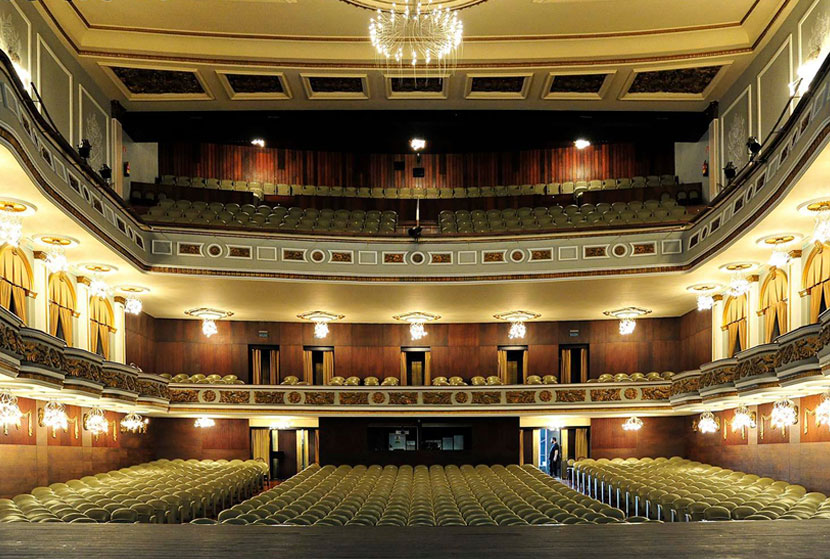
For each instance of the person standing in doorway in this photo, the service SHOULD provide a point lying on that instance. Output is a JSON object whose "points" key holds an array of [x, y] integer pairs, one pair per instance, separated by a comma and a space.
{"points": [[553, 459]]}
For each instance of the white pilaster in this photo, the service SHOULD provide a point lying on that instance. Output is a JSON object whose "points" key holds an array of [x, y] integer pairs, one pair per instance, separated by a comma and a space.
{"points": [[80, 337], [718, 351], [39, 318], [795, 305], [118, 353], [753, 322]]}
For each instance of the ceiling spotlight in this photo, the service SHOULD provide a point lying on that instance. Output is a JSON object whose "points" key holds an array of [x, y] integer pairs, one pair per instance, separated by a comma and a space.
{"points": [[134, 423], [96, 422], [822, 410], [209, 318], [416, 321], [705, 302], [417, 144], [204, 422], [10, 413], [754, 146], [730, 171], [633, 423], [742, 419], [784, 413], [581, 143], [258, 142], [626, 316], [321, 321], [517, 322], [708, 423], [54, 415]]}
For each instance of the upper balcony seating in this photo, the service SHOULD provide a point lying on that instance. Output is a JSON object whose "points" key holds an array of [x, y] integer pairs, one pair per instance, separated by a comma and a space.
{"points": [[278, 218], [678, 489], [634, 377], [420, 496], [558, 217], [163, 491], [202, 379], [540, 189]]}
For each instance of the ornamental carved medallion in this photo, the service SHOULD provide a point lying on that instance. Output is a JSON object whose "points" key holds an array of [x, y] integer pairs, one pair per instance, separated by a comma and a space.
{"points": [[209, 396], [461, 397], [630, 393], [378, 397], [294, 397], [545, 396]]}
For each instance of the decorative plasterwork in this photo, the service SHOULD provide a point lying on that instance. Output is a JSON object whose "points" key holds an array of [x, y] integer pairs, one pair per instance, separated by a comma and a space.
{"points": [[336, 86], [689, 82], [577, 84], [416, 87], [497, 86], [147, 83], [242, 85]]}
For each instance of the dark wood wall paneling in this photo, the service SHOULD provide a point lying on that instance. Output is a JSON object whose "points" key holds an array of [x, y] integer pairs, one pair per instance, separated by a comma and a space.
{"points": [[178, 346], [27, 462], [344, 441], [660, 436], [441, 170], [179, 438]]}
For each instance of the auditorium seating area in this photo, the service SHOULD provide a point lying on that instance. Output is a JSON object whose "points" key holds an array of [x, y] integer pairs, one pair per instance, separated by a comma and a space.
{"points": [[277, 218], [261, 189], [162, 492], [420, 496], [676, 489], [202, 379]]}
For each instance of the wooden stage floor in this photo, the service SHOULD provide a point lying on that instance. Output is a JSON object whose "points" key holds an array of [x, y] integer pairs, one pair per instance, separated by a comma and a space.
{"points": [[782, 539]]}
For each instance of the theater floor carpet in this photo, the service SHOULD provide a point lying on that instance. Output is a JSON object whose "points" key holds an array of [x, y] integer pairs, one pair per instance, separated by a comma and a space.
{"points": [[722, 540]]}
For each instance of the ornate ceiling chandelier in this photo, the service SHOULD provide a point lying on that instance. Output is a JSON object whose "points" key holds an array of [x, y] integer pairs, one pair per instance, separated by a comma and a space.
{"points": [[823, 410], [742, 419], [784, 414], [204, 422], [54, 415], [708, 423], [209, 318], [819, 209], [424, 37], [96, 422], [132, 303], [12, 212], [134, 423], [705, 294], [321, 321], [416, 322], [10, 413], [627, 316], [517, 322], [633, 423]]}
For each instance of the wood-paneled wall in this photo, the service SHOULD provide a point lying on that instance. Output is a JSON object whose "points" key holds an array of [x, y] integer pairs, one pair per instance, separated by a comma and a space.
{"points": [[660, 436], [441, 170], [178, 346], [179, 438], [27, 462]]}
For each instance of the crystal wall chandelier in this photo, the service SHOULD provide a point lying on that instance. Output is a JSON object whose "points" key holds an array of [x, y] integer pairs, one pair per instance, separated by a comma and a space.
{"points": [[633, 423], [321, 321], [12, 213], [708, 423], [209, 318], [416, 322], [418, 35], [784, 414], [823, 410], [204, 422], [517, 320], [626, 316], [54, 415], [10, 413], [96, 422], [742, 419], [134, 423]]}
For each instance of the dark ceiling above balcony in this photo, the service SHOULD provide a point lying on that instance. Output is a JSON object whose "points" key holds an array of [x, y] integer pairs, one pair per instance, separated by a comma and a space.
{"points": [[389, 131]]}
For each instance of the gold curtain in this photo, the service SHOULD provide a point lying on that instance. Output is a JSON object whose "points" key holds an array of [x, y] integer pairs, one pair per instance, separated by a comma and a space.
{"points": [[15, 280], [328, 366], [308, 371], [256, 366], [565, 366], [583, 365], [581, 443], [403, 368], [274, 367], [261, 445], [524, 367], [100, 325], [774, 303], [61, 305], [815, 280], [427, 368], [734, 322], [502, 367]]}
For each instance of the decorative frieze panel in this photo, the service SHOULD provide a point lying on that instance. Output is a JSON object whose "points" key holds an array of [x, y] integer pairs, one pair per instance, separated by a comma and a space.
{"points": [[797, 355]]}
